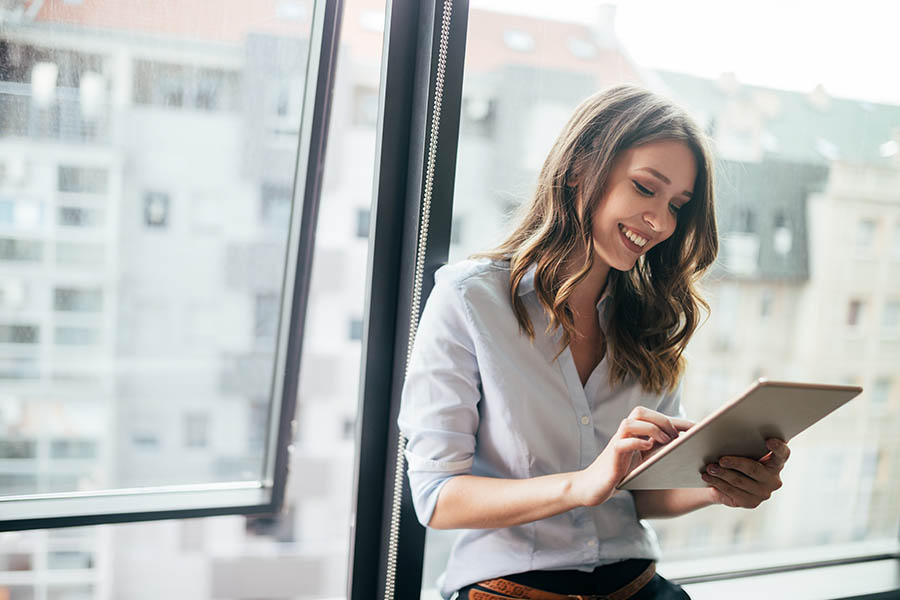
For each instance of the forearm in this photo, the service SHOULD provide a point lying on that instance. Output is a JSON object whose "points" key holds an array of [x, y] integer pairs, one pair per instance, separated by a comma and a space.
{"points": [[472, 502], [658, 504]]}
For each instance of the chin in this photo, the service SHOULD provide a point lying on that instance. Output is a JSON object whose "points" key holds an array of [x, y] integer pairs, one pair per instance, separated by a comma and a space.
{"points": [[624, 265]]}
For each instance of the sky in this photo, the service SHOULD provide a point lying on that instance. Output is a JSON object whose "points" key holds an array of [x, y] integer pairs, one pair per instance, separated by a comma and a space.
{"points": [[851, 49]]}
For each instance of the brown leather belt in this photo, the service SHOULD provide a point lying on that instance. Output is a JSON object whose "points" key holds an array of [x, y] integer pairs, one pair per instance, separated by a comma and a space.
{"points": [[511, 589]]}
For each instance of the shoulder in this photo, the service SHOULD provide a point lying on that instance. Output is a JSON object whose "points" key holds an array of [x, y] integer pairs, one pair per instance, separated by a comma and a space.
{"points": [[474, 279]]}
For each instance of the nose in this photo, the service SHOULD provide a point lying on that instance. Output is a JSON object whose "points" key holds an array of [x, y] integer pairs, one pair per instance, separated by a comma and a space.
{"points": [[658, 219]]}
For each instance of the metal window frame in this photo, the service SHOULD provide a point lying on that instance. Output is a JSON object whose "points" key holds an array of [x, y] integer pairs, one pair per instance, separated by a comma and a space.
{"points": [[243, 497], [418, 128]]}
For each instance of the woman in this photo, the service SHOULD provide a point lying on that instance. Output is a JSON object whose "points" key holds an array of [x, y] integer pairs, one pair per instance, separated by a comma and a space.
{"points": [[542, 370]]}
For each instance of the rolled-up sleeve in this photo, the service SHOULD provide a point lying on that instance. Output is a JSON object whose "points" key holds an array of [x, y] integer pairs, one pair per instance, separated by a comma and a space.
{"points": [[438, 405]]}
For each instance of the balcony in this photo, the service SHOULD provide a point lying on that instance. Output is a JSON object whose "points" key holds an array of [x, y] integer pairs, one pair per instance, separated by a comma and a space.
{"points": [[64, 117]]}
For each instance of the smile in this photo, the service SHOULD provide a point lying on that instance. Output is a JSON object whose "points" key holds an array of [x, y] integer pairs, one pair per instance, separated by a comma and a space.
{"points": [[632, 240]]}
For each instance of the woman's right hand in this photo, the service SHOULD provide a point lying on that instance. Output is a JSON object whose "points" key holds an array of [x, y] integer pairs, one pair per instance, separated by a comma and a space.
{"points": [[641, 432]]}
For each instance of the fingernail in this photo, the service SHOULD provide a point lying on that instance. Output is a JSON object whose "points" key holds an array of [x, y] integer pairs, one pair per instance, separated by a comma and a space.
{"points": [[713, 469], [666, 439]]}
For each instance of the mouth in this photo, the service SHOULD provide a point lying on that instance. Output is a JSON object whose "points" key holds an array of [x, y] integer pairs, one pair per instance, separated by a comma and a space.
{"points": [[632, 240]]}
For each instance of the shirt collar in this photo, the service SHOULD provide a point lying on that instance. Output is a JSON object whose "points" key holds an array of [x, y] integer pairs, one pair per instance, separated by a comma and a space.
{"points": [[527, 285]]}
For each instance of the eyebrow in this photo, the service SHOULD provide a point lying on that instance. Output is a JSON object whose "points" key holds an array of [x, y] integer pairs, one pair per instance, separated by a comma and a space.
{"points": [[663, 178]]}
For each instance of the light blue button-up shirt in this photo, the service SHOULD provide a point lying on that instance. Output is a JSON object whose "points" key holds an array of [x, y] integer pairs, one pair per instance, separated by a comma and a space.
{"points": [[480, 399]]}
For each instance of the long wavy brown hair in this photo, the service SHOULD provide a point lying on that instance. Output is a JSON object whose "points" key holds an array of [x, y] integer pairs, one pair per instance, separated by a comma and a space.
{"points": [[656, 306]]}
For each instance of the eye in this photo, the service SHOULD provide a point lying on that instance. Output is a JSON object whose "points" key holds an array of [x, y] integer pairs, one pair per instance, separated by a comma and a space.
{"points": [[674, 208], [642, 189]]}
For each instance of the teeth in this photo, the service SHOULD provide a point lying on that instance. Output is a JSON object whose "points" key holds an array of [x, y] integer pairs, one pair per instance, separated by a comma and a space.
{"points": [[633, 236]]}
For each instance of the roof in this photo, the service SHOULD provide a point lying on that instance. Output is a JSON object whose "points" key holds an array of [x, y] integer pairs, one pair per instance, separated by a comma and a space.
{"points": [[800, 127]]}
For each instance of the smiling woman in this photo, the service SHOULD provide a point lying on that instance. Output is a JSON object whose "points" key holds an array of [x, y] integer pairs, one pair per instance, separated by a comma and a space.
{"points": [[597, 277]]}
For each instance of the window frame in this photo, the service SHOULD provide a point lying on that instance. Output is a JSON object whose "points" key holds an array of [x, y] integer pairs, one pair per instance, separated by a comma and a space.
{"points": [[405, 232], [124, 505]]}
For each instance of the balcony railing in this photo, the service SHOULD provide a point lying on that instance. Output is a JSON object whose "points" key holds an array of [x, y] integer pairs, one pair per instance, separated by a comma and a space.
{"points": [[64, 117]]}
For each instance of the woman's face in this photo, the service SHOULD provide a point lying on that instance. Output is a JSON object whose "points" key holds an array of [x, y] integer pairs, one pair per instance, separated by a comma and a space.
{"points": [[647, 186]]}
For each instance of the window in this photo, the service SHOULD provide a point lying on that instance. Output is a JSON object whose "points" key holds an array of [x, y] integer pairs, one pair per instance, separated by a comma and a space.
{"points": [[156, 210], [183, 86], [70, 560], [73, 448], [18, 448], [79, 216], [19, 334], [855, 313], [356, 329], [106, 382], [275, 209], [83, 180], [21, 250], [16, 562], [77, 299], [362, 222], [890, 319], [349, 428]]}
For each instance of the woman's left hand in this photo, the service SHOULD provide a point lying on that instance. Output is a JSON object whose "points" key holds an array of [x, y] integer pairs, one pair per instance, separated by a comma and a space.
{"points": [[743, 482]]}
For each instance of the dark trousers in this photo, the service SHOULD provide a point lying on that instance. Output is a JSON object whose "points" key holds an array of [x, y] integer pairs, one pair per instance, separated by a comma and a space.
{"points": [[602, 580]]}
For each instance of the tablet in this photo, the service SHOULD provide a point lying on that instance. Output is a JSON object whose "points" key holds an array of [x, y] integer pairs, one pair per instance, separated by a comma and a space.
{"points": [[767, 409]]}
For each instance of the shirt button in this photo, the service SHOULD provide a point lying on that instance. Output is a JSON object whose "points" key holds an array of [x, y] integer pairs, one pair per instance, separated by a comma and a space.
{"points": [[585, 420]]}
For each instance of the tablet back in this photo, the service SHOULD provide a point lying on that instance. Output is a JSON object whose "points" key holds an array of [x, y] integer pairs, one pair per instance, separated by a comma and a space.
{"points": [[740, 428]]}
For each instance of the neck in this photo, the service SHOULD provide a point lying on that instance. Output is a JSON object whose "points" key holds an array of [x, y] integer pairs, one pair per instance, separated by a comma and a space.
{"points": [[584, 298]]}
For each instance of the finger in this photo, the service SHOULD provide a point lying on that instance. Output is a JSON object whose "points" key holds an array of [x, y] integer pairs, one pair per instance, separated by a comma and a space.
{"points": [[749, 467], [681, 424], [633, 427], [739, 481], [780, 453], [642, 413], [632, 444], [738, 496]]}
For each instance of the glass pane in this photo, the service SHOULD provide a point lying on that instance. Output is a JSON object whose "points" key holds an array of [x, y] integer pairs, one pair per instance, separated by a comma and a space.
{"points": [[303, 552], [808, 250], [146, 177]]}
